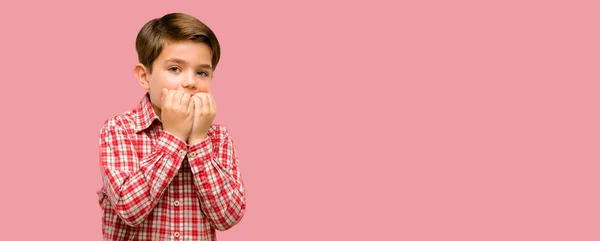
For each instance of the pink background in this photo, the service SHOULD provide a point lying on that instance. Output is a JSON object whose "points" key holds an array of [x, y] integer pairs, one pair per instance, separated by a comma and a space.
{"points": [[354, 120]]}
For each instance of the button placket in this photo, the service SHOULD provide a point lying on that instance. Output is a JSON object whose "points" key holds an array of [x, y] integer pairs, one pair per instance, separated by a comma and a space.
{"points": [[175, 198]]}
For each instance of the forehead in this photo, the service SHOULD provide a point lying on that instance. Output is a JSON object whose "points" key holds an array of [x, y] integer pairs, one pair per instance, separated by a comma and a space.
{"points": [[189, 51]]}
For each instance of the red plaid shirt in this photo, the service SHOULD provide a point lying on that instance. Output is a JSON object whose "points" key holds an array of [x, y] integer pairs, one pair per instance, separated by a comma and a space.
{"points": [[155, 187]]}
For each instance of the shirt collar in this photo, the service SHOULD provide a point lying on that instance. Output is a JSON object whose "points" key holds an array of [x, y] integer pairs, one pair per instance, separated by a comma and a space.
{"points": [[145, 114]]}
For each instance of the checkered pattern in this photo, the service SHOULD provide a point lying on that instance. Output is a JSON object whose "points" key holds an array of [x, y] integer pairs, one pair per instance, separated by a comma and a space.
{"points": [[155, 187]]}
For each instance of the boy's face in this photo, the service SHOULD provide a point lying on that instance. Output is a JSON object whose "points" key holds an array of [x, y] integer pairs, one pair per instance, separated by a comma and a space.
{"points": [[184, 65]]}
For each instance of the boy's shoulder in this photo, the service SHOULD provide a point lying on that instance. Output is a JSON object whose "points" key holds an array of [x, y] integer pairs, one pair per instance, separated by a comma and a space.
{"points": [[132, 120], [119, 121]]}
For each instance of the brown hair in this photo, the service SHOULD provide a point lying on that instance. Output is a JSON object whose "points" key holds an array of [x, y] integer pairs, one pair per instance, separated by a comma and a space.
{"points": [[173, 27]]}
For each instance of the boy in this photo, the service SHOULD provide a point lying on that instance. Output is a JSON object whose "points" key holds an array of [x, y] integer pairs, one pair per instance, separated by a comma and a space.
{"points": [[168, 173]]}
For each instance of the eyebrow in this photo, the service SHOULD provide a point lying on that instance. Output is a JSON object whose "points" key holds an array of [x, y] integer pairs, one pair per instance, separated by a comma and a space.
{"points": [[183, 62]]}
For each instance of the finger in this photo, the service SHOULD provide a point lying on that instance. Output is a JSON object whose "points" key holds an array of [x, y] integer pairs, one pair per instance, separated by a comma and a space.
{"points": [[208, 103], [185, 101], [190, 107], [213, 103], [177, 97], [169, 98], [163, 94], [205, 104], [197, 104]]}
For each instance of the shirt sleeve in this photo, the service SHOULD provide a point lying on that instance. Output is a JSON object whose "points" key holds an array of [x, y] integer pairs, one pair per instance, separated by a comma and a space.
{"points": [[132, 185], [218, 180]]}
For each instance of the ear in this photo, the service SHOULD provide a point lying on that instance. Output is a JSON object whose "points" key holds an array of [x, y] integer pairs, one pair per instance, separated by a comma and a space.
{"points": [[142, 75]]}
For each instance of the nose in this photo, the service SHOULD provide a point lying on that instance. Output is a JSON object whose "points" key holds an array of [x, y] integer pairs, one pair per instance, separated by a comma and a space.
{"points": [[189, 81], [195, 84]]}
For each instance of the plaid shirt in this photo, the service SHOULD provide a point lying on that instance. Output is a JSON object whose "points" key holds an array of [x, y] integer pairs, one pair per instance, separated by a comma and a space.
{"points": [[156, 187]]}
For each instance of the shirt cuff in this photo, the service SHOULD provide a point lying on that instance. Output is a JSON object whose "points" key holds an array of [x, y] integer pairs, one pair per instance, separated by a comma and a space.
{"points": [[200, 153], [171, 144]]}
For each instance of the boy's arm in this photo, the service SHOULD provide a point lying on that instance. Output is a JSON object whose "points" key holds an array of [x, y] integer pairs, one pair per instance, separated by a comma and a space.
{"points": [[134, 186], [218, 180]]}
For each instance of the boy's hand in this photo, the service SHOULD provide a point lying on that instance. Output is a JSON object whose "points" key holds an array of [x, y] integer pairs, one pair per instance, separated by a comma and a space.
{"points": [[177, 113], [205, 110]]}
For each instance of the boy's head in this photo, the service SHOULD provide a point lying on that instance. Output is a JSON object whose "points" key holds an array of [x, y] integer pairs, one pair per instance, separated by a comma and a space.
{"points": [[176, 51]]}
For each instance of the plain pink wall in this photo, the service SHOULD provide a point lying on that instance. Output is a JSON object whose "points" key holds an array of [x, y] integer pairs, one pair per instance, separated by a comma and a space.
{"points": [[354, 120]]}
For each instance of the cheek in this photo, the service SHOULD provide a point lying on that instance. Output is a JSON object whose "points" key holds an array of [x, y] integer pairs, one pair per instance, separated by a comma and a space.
{"points": [[160, 82], [171, 84], [205, 87], [156, 85]]}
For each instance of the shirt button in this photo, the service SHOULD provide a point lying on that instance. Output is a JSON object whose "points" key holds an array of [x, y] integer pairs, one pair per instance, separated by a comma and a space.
{"points": [[176, 234], [176, 203], [182, 152], [193, 154]]}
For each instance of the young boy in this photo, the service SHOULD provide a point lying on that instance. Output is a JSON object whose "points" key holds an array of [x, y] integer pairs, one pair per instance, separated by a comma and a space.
{"points": [[168, 172]]}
